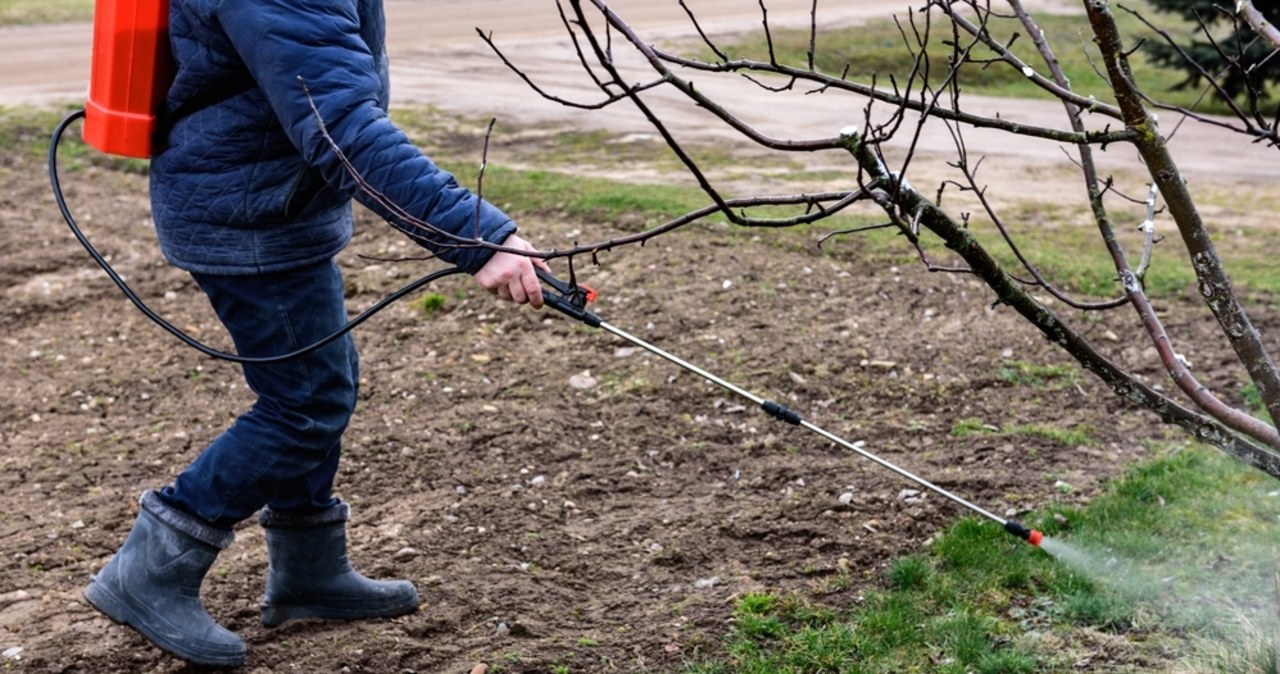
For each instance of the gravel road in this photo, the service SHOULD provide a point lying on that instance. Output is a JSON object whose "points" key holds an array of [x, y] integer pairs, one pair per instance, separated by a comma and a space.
{"points": [[438, 58]]}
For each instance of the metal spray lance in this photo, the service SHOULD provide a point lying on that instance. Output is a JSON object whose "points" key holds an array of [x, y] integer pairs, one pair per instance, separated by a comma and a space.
{"points": [[571, 300]]}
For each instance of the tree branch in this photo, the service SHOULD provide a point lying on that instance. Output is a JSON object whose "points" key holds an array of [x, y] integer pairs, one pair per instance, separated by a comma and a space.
{"points": [[959, 239], [1214, 284], [1258, 22]]}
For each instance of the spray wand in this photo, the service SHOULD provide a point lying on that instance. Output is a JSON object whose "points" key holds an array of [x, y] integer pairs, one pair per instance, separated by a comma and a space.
{"points": [[571, 300]]}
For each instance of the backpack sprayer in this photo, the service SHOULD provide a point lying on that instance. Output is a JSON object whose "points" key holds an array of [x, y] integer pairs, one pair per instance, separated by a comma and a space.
{"points": [[131, 71]]}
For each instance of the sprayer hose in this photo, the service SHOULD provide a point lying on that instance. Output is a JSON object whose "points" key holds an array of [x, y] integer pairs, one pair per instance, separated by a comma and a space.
{"points": [[169, 327]]}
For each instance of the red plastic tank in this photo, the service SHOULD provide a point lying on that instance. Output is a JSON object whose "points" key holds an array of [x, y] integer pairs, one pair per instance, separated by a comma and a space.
{"points": [[131, 70]]}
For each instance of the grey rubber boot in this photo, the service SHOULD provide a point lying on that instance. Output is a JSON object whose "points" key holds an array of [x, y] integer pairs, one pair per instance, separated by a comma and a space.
{"points": [[153, 585], [308, 575]]}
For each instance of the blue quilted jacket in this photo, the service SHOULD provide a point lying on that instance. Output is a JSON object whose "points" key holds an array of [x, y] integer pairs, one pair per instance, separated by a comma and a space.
{"points": [[244, 181]]}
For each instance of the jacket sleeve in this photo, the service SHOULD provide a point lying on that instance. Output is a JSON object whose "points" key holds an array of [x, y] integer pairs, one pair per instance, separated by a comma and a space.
{"points": [[285, 43]]}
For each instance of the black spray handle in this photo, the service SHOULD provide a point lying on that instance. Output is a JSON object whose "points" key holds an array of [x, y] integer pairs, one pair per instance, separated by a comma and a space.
{"points": [[569, 299]]}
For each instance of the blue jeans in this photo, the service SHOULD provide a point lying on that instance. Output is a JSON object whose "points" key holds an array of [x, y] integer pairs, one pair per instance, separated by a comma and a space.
{"points": [[284, 451]]}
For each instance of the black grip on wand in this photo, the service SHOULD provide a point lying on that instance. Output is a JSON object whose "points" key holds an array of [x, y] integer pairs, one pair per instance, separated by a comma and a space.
{"points": [[781, 412]]}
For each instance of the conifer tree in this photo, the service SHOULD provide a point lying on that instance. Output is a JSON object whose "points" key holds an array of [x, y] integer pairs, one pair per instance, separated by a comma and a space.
{"points": [[1231, 51]]}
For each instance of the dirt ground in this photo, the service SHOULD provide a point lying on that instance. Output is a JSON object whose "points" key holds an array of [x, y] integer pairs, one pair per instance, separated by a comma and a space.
{"points": [[559, 498]]}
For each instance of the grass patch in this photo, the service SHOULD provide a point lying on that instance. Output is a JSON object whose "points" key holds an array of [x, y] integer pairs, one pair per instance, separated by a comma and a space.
{"points": [[1067, 253], [22, 12], [1253, 401], [25, 132], [972, 426], [584, 197], [430, 303], [1143, 562], [1022, 373], [1071, 256], [1074, 436], [877, 47]]}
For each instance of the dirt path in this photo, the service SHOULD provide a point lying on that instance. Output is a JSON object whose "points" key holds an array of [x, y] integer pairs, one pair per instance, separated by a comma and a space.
{"points": [[55, 58], [437, 58]]}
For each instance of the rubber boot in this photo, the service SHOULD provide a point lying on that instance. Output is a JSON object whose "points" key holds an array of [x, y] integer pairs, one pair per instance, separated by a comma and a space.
{"points": [[153, 585], [308, 575]]}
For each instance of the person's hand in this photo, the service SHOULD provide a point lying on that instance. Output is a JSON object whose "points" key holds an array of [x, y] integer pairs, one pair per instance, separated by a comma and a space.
{"points": [[511, 276]]}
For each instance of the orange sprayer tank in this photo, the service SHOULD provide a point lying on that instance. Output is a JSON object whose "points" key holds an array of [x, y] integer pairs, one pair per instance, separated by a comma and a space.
{"points": [[130, 74]]}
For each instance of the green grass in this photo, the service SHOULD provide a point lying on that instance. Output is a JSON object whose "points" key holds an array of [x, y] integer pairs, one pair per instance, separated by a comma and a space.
{"points": [[25, 131], [1068, 255], [877, 47], [1072, 257], [1022, 373], [590, 199], [1253, 400], [430, 303], [636, 206], [1145, 562], [1074, 436], [18, 12], [972, 426]]}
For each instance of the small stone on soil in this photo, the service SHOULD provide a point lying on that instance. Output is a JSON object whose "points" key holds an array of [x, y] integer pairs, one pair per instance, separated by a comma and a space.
{"points": [[582, 381], [404, 555], [14, 597]]}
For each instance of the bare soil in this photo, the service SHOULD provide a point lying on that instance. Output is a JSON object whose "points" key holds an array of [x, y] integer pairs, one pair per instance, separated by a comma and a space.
{"points": [[559, 497]]}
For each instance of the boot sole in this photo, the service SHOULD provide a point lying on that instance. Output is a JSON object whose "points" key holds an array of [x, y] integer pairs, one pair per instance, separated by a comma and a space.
{"points": [[112, 606], [275, 615]]}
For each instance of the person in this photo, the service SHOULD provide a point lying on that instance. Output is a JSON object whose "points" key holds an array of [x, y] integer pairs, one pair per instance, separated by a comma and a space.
{"points": [[251, 198]]}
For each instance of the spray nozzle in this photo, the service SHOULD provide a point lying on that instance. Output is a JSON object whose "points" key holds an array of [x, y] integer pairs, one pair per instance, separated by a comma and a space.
{"points": [[1029, 535]]}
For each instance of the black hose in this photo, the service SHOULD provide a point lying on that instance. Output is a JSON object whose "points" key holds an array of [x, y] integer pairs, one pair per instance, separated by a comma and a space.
{"points": [[169, 327]]}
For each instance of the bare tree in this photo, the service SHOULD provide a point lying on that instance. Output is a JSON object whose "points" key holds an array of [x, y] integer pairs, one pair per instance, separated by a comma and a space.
{"points": [[963, 35], [960, 34]]}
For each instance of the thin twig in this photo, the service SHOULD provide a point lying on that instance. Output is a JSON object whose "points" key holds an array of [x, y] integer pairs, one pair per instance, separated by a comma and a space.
{"points": [[484, 166]]}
